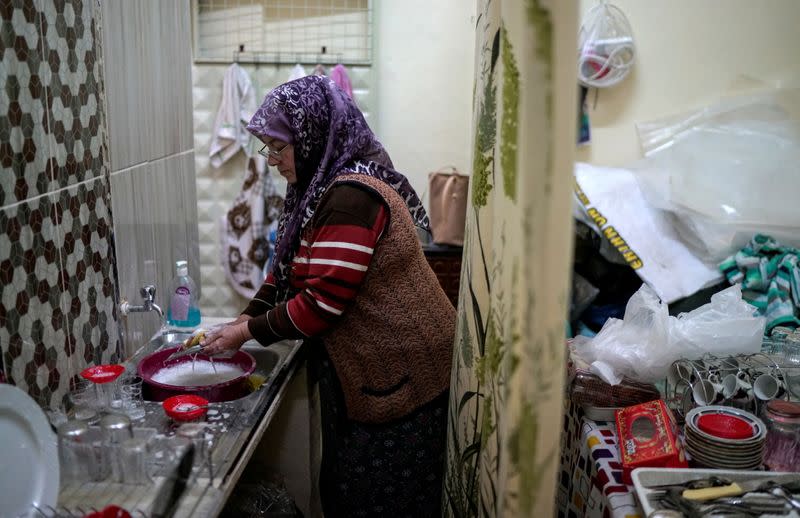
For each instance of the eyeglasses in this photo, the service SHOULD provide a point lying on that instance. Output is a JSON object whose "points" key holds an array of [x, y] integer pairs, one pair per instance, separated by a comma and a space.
{"points": [[271, 153]]}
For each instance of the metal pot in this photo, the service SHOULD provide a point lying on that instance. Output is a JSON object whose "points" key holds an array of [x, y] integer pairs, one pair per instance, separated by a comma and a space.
{"points": [[225, 391]]}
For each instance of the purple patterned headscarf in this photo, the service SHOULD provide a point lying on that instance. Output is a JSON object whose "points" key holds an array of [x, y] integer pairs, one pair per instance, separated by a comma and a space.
{"points": [[330, 138]]}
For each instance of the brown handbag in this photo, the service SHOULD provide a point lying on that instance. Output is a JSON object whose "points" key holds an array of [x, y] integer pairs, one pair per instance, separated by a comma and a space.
{"points": [[449, 190]]}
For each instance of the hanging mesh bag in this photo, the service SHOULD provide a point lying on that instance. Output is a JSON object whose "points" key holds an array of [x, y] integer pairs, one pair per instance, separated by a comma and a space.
{"points": [[605, 46]]}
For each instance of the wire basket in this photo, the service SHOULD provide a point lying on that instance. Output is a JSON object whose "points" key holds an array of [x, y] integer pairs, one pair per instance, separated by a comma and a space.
{"points": [[742, 381]]}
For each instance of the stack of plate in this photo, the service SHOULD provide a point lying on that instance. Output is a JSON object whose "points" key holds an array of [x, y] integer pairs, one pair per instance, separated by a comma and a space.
{"points": [[725, 438]]}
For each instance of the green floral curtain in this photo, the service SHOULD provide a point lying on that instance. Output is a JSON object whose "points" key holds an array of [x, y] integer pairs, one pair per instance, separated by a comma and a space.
{"points": [[508, 365]]}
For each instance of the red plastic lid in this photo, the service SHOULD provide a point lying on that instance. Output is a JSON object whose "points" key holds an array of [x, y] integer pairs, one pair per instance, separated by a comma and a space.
{"points": [[725, 426], [185, 407], [102, 373], [111, 511]]}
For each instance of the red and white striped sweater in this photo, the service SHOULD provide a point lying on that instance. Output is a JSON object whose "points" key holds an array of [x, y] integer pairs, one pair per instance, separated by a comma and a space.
{"points": [[327, 269], [363, 286]]}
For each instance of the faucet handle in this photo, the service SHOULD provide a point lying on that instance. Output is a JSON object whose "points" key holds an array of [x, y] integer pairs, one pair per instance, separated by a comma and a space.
{"points": [[148, 292]]}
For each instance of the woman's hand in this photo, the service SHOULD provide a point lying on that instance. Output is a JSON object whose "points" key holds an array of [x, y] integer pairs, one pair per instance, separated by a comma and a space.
{"points": [[242, 318], [228, 338]]}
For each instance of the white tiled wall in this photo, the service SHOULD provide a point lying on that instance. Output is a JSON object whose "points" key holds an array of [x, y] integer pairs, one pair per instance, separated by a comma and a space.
{"points": [[147, 69], [147, 57], [216, 188]]}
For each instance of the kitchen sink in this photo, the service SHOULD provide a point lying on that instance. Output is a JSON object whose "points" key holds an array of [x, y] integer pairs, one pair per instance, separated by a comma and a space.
{"points": [[267, 360], [231, 431]]}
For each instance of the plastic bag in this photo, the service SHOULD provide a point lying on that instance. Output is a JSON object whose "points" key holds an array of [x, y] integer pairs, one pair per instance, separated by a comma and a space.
{"points": [[605, 45], [644, 344], [645, 237], [726, 171]]}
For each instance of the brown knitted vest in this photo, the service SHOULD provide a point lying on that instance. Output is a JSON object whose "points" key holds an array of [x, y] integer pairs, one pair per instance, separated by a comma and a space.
{"points": [[392, 348]]}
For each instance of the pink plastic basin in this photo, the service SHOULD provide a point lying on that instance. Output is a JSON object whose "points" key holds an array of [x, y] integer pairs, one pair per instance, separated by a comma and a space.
{"points": [[225, 391]]}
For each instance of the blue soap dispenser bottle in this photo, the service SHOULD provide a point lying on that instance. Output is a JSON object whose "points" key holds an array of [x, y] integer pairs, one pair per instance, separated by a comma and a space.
{"points": [[183, 309]]}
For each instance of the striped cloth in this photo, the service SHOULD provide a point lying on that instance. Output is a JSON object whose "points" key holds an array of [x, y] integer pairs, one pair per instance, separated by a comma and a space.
{"points": [[770, 279], [328, 268]]}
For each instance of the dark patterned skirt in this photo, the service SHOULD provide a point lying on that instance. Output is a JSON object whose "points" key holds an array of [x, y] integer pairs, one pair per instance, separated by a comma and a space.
{"points": [[387, 470]]}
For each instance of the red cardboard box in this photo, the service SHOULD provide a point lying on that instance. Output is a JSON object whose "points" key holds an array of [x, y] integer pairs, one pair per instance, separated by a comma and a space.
{"points": [[648, 437]]}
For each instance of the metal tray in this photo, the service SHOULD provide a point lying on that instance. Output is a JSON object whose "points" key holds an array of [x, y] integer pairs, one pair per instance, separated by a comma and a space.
{"points": [[644, 478]]}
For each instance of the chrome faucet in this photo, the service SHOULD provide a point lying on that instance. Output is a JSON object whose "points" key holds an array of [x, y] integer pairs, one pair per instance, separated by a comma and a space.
{"points": [[149, 298]]}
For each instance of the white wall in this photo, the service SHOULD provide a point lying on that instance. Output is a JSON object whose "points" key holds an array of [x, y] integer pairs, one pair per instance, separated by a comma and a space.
{"points": [[424, 75], [688, 53]]}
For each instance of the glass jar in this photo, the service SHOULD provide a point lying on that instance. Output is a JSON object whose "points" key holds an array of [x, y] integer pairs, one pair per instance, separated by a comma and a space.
{"points": [[782, 450]]}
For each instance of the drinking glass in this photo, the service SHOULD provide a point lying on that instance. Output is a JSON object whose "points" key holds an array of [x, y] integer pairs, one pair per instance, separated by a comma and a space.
{"points": [[83, 402], [130, 394]]}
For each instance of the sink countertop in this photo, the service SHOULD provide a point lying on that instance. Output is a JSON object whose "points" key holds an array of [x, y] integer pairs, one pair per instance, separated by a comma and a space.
{"points": [[236, 447], [234, 430]]}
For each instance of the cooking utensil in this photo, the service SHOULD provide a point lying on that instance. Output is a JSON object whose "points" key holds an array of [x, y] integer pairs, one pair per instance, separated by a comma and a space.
{"points": [[735, 488], [191, 345], [644, 479], [750, 505], [698, 483], [180, 353], [785, 491]]}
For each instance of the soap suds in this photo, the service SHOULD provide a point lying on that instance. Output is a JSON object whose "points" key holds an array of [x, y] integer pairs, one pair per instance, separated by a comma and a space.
{"points": [[199, 373]]}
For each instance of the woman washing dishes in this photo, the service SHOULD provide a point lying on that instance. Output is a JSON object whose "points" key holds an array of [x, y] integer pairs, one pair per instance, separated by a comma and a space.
{"points": [[350, 277]]}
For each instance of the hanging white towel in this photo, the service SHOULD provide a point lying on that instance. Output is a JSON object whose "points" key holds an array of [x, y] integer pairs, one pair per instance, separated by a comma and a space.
{"points": [[244, 247], [297, 72], [237, 106]]}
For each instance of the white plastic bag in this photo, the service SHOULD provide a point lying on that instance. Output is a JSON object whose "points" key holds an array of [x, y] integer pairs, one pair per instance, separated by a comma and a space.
{"points": [[612, 201], [726, 171], [724, 326], [644, 344]]}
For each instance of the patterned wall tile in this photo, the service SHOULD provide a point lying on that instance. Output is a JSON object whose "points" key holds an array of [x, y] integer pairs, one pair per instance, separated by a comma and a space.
{"points": [[88, 272], [73, 85], [24, 145], [33, 324]]}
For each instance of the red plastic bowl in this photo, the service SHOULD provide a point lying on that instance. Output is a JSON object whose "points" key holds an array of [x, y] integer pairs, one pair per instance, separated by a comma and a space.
{"points": [[225, 391], [725, 426], [185, 407], [101, 374]]}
